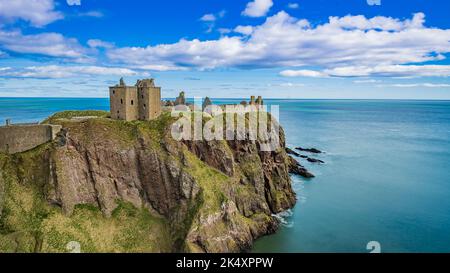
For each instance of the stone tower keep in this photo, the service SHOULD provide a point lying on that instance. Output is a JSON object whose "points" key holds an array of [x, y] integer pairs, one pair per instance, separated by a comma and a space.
{"points": [[142, 101], [149, 97]]}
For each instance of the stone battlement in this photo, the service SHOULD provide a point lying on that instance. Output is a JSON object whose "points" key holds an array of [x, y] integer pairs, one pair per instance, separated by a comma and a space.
{"points": [[16, 138]]}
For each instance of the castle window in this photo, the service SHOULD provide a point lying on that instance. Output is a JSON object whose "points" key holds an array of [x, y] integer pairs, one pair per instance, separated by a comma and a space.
{"points": [[121, 101], [142, 96], [145, 105], [114, 92], [132, 102]]}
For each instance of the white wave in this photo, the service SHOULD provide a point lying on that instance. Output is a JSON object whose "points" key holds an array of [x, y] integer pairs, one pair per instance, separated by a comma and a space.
{"points": [[285, 218]]}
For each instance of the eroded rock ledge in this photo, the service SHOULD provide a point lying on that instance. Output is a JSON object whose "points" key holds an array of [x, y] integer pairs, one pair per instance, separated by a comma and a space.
{"points": [[119, 186]]}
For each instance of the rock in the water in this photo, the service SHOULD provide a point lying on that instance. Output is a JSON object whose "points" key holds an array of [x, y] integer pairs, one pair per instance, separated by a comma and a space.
{"points": [[298, 169], [310, 150], [314, 160], [291, 152]]}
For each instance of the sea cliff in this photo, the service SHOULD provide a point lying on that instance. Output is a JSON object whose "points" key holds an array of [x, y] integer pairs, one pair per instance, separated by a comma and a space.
{"points": [[116, 186]]}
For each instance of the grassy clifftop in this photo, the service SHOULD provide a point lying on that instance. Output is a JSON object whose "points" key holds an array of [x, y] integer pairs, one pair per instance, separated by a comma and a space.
{"points": [[72, 114]]}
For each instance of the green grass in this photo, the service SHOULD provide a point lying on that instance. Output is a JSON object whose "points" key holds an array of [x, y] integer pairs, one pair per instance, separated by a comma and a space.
{"points": [[23, 210], [124, 133], [210, 180], [70, 114], [130, 229]]}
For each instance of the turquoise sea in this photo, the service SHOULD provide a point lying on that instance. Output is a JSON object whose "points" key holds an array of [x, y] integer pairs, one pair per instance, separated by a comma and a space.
{"points": [[386, 176]]}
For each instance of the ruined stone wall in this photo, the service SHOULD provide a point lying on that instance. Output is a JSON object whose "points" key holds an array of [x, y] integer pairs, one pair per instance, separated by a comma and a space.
{"points": [[20, 138], [123, 102], [131, 104], [116, 99], [149, 102], [155, 102]]}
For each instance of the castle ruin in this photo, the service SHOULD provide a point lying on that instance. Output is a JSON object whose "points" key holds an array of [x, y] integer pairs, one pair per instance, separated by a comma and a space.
{"points": [[257, 102], [139, 102]]}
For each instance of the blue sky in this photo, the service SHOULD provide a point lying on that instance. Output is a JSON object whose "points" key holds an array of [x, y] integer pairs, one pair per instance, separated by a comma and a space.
{"points": [[217, 48]]}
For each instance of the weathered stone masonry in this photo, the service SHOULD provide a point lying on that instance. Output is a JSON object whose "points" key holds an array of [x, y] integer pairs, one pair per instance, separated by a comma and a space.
{"points": [[139, 102], [20, 138]]}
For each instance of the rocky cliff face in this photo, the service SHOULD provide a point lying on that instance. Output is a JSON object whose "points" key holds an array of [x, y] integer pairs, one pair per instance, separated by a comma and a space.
{"points": [[128, 186]]}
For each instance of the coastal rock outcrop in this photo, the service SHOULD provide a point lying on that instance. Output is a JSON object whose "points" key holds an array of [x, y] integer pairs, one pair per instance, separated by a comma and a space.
{"points": [[291, 152], [296, 168], [310, 150], [315, 160], [116, 186]]}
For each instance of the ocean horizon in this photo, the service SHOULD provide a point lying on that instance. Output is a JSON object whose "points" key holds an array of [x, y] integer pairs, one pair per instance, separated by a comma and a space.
{"points": [[36, 109]]}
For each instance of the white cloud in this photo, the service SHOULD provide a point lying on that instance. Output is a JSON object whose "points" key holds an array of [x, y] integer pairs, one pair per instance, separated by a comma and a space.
{"points": [[223, 31], [290, 84], [208, 18], [221, 13], [74, 2], [367, 81], [246, 30], [347, 46], [195, 53], [293, 5], [93, 13], [413, 85], [38, 13], [379, 22], [56, 71], [303, 73], [49, 44], [257, 8], [96, 43], [161, 67], [391, 71], [435, 85], [397, 71]]}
